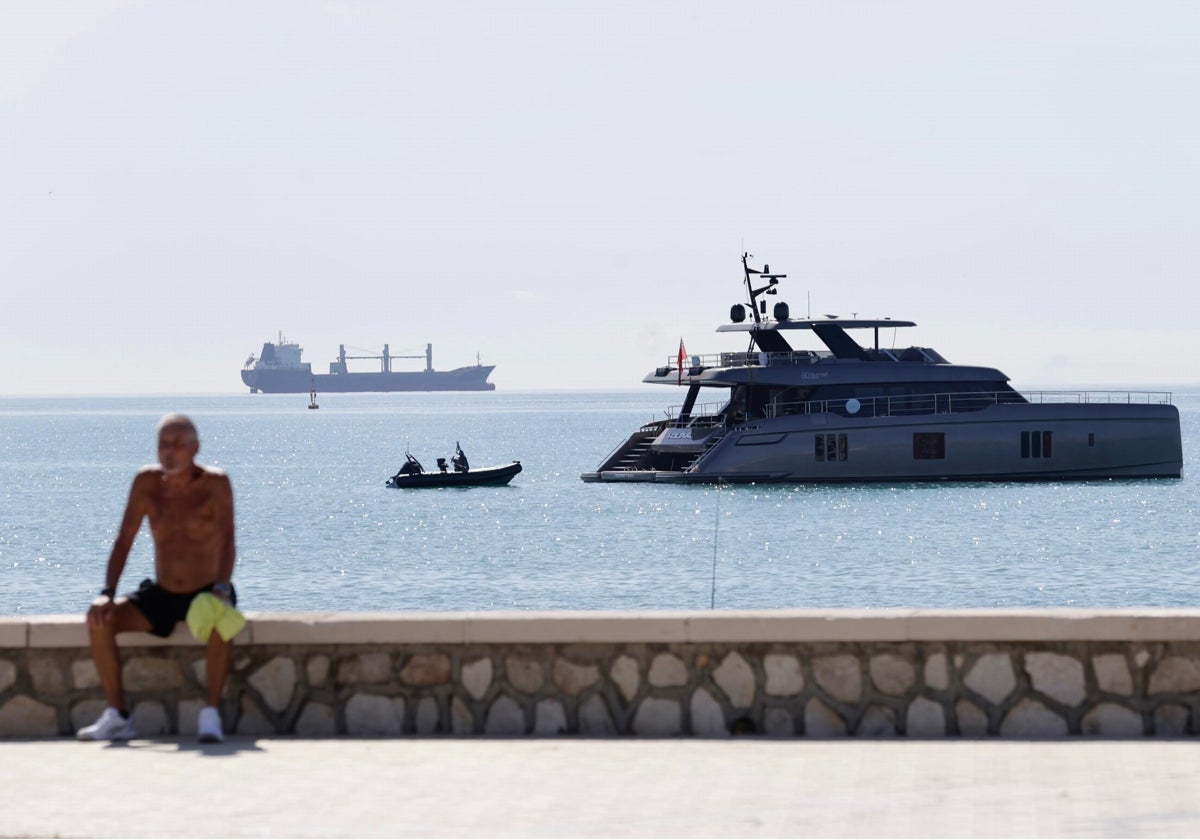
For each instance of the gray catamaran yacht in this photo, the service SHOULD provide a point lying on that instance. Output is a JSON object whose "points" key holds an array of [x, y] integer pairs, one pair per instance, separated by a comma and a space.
{"points": [[851, 412]]}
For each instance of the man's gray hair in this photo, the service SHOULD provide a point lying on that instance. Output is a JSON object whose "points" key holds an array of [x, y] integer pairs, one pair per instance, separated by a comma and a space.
{"points": [[177, 419]]}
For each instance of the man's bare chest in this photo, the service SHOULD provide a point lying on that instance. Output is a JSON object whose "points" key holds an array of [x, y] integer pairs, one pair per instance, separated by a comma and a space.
{"points": [[187, 513]]}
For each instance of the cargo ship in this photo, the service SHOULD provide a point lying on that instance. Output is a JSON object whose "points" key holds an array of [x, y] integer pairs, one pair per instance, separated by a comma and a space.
{"points": [[278, 369]]}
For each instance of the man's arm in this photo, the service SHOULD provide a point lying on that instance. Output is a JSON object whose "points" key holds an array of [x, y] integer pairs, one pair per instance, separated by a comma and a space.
{"points": [[135, 511], [224, 500]]}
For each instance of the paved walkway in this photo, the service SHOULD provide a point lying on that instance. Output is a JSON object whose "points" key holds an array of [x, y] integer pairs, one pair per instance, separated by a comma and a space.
{"points": [[587, 788]]}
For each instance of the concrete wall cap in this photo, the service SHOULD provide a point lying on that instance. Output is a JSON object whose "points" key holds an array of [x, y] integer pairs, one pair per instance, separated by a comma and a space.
{"points": [[664, 627]]}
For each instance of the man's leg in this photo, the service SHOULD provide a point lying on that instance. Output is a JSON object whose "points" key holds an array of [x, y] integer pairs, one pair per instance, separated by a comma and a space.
{"points": [[114, 723], [124, 618], [218, 659]]}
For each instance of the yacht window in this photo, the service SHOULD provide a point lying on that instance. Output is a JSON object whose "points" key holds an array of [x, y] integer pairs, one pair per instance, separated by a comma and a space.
{"points": [[832, 447], [929, 446], [1036, 444]]}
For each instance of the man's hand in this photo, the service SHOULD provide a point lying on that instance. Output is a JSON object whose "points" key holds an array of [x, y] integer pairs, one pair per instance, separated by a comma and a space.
{"points": [[100, 611]]}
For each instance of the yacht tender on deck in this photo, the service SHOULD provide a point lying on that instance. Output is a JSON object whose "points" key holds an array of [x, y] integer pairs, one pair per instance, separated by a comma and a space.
{"points": [[855, 413]]}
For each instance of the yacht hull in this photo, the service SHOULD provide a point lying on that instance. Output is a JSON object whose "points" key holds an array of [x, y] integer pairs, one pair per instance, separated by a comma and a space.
{"points": [[1025, 442]]}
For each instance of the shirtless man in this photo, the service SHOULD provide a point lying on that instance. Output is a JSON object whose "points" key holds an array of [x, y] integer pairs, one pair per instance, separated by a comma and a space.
{"points": [[190, 508]]}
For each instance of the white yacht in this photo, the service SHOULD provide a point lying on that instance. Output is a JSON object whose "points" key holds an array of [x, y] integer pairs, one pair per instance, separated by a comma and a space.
{"points": [[852, 413]]}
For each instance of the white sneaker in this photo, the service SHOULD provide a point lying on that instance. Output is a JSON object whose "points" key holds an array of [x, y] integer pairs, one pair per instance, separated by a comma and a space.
{"points": [[208, 728], [110, 726]]}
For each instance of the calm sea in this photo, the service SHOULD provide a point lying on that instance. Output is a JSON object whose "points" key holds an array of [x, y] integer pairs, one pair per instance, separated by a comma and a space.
{"points": [[317, 529]]}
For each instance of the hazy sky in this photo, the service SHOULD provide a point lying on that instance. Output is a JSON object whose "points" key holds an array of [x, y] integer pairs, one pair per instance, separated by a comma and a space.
{"points": [[565, 188]]}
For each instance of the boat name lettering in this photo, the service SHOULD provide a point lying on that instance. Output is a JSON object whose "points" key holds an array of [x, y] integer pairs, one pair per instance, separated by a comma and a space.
{"points": [[676, 434], [813, 375]]}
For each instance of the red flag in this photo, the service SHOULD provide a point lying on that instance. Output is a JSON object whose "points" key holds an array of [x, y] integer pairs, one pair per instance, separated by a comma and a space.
{"points": [[682, 356]]}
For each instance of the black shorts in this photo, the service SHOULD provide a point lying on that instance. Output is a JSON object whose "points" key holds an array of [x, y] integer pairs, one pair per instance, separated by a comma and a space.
{"points": [[165, 609]]}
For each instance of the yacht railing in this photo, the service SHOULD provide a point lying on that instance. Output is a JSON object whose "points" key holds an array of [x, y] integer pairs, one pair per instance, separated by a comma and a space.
{"points": [[715, 414], [1126, 397], [702, 415], [751, 359], [755, 358]]}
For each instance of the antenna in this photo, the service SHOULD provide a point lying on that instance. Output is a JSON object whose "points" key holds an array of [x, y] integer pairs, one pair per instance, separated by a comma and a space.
{"points": [[712, 601]]}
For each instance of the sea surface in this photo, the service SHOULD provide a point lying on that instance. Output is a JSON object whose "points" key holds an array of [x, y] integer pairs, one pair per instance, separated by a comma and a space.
{"points": [[317, 529]]}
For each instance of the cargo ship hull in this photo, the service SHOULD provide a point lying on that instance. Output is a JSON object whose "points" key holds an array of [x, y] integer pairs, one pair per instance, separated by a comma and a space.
{"points": [[279, 369], [473, 378]]}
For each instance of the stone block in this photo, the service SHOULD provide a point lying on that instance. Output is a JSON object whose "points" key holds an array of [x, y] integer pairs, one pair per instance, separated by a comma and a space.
{"points": [[426, 670], [877, 722], [820, 721], [573, 679], [275, 682], [925, 719], [549, 718], [151, 673], [972, 721], [83, 674], [187, 716], [316, 669], [462, 721], [1057, 676], [666, 670], [1110, 720], [477, 677], [594, 718], [785, 677], [24, 717], [150, 719], [47, 676], [937, 672], [658, 718], [316, 720], [428, 719], [778, 723], [1175, 675], [525, 675], [1031, 719], [626, 676], [8, 674], [893, 675], [992, 677], [86, 712], [505, 718], [200, 671], [736, 678], [1112, 674], [251, 721], [708, 718], [839, 676], [1171, 721], [375, 667], [372, 715]]}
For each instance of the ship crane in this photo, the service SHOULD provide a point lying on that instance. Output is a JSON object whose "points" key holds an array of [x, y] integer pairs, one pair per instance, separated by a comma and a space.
{"points": [[386, 358]]}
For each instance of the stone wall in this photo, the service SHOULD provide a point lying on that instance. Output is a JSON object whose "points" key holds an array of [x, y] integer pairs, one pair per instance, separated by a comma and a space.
{"points": [[787, 674]]}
